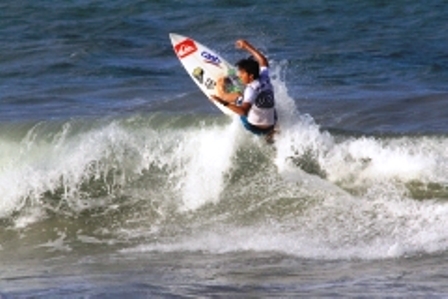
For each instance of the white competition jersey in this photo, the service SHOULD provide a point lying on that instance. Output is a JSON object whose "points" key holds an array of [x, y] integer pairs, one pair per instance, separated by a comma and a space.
{"points": [[259, 93]]}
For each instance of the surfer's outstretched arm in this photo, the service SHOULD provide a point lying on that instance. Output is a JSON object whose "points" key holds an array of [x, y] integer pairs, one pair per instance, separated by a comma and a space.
{"points": [[245, 45]]}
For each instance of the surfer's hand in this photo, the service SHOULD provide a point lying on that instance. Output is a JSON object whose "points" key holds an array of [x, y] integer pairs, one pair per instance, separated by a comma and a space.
{"points": [[241, 44]]}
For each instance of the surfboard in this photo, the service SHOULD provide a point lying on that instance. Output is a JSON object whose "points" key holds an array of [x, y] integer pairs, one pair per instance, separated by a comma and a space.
{"points": [[205, 67]]}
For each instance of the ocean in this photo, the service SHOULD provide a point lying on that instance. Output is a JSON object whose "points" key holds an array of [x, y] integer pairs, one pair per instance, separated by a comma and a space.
{"points": [[119, 179]]}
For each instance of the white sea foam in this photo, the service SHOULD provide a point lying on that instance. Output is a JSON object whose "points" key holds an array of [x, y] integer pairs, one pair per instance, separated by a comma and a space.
{"points": [[208, 155], [192, 162], [357, 160], [338, 227], [357, 205], [362, 207]]}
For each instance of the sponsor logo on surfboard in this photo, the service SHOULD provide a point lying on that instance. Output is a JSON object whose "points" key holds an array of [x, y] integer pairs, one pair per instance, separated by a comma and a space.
{"points": [[198, 73], [210, 84], [210, 58], [185, 48]]}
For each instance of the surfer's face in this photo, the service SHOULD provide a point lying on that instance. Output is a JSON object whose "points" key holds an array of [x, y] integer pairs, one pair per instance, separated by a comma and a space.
{"points": [[245, 77]]}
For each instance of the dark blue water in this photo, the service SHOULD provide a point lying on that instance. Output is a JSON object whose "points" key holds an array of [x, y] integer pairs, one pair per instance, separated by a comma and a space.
{"points": [[119, 179]]}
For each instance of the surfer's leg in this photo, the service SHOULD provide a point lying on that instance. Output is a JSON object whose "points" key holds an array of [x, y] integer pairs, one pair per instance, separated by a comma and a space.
{"points": [[270, 136]]}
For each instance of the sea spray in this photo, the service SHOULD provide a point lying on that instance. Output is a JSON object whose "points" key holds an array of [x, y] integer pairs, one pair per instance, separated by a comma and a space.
{"points": [[189, 182]]}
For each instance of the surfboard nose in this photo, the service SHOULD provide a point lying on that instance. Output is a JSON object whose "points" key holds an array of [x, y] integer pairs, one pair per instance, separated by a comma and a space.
{"points": [[176, 37]]}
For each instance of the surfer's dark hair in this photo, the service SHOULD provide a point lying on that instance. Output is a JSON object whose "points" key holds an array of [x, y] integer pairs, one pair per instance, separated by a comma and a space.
{"points": [[249, 65]]}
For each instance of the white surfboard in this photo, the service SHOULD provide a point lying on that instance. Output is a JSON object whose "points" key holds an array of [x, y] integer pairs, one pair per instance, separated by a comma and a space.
{"points": [[204, 66]]}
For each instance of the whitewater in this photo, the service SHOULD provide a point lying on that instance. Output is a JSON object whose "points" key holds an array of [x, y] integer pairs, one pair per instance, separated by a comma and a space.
{"points": [[118, 179], [312, 194]]}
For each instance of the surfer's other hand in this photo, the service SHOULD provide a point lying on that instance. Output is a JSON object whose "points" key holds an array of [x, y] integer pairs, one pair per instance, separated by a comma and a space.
{"points": [[220, 81], [220, 86]]}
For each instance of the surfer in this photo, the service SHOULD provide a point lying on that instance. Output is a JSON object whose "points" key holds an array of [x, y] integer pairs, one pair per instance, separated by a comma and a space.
{"points": [[256, 105]]}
